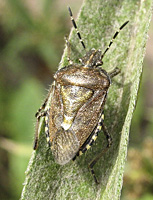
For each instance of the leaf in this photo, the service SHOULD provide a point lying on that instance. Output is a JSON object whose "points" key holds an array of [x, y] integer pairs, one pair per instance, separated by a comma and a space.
{"points": [[97, 22]]}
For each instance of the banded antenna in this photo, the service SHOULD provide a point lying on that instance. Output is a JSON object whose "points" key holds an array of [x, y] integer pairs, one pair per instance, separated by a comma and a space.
{"points": [[76, 28], [112, 40]]}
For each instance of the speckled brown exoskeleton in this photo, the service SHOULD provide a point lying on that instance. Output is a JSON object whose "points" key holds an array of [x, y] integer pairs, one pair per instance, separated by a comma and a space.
{"points": [[73, 109]]}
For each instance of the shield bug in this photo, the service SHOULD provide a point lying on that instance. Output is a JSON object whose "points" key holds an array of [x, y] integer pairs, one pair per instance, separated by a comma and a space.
{"points": [[73, 109]]}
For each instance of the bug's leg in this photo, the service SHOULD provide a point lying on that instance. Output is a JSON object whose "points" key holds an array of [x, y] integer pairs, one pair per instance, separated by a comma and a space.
{"points": [[89, 143], [114, 72], [68, 50], [46, 115], [109, 140], [40, 113], [45, 102]]}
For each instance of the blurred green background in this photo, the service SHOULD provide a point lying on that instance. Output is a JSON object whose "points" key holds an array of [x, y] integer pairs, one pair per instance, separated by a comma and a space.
{"points": [[31, 44]]}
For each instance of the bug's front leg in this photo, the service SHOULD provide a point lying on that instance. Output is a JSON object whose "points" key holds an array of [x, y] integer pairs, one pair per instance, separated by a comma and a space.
{"points": [[114, 72], [109, 141]]}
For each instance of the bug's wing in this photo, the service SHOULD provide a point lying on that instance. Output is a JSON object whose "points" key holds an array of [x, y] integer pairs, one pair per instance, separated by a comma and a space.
{"points": [[88, 116], [64, 146], [64, 143]]}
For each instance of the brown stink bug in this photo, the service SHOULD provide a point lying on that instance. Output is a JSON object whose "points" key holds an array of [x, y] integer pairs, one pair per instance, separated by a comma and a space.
{"points": [[73, 109]]}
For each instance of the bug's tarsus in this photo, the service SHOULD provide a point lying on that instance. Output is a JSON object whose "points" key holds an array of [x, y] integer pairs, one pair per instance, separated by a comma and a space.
{"points": [[93, 174], [76, 28], [115, 35], [114, 72]]}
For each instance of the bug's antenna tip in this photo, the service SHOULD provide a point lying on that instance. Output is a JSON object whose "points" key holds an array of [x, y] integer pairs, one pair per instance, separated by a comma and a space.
{"points": [[125, 23], [69, 9]]}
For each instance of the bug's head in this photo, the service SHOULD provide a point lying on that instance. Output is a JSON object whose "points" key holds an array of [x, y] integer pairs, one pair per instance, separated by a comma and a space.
{"points": [[92, 58]]}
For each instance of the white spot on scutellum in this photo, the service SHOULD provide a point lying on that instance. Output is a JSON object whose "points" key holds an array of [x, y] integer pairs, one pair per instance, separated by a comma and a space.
{"points": [[67, 122]]}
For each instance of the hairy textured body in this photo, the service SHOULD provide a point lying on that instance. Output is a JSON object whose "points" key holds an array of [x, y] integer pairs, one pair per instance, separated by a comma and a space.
{"points": [[75, 109]]}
